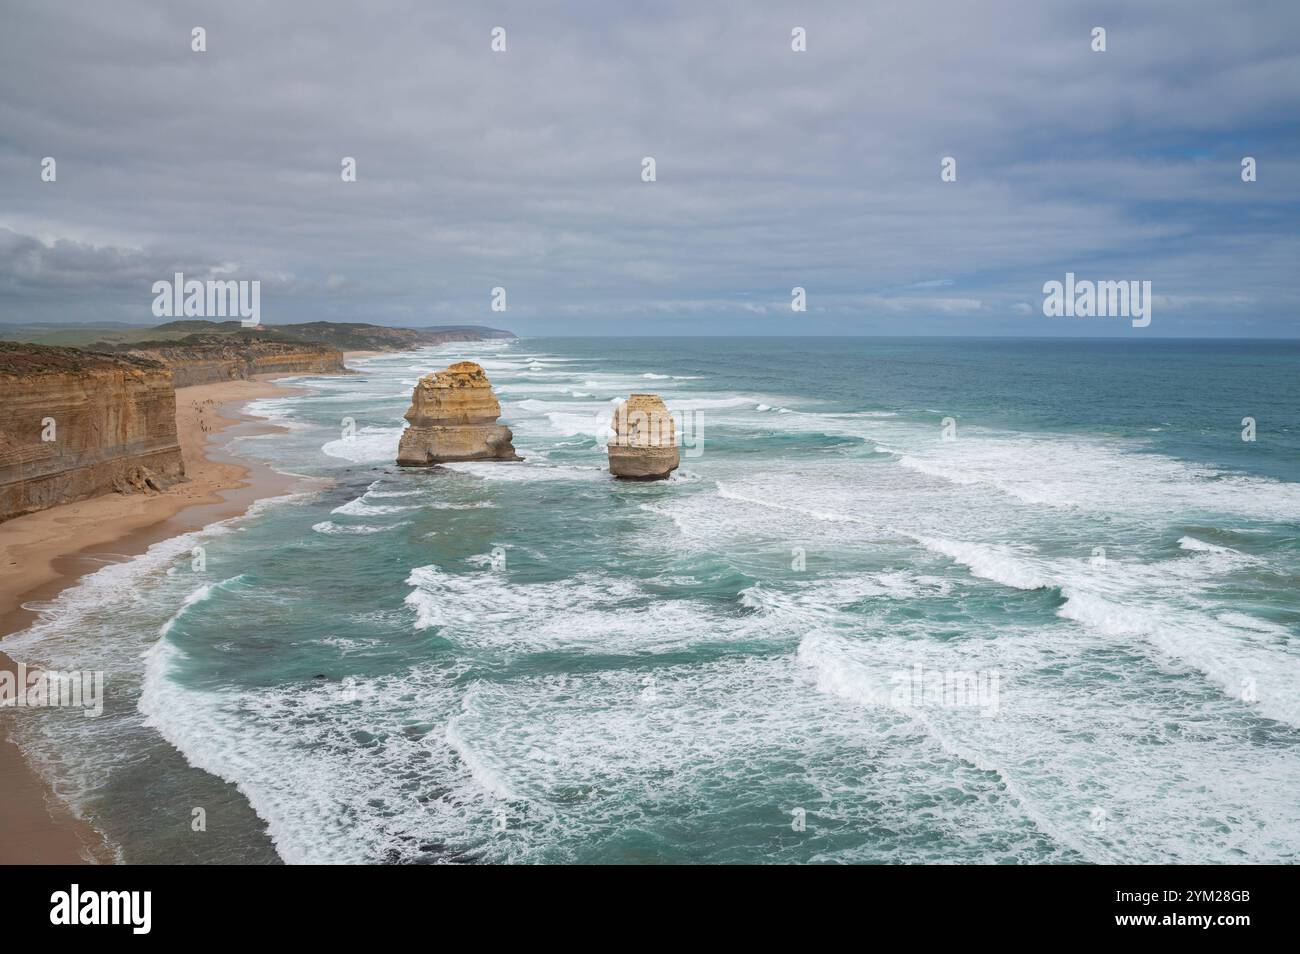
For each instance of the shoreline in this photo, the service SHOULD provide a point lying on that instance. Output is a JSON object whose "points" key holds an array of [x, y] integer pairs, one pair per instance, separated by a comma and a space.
{"points": [[47, 551]]}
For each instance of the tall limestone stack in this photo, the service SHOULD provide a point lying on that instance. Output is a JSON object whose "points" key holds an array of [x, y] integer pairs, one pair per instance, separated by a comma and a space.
{"points": [[453, 416], [644, 446]]}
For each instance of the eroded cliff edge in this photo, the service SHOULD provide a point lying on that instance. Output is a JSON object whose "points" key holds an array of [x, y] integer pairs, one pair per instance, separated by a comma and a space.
{"points": [[75, 424], [210, 358]]}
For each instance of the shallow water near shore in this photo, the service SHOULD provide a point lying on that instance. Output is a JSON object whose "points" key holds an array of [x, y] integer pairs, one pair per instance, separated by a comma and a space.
{"points": [[534, 662]]}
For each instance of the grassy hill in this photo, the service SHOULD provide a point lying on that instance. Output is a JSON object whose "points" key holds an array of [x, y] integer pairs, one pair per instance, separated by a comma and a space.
{"points": [[346, 336]]}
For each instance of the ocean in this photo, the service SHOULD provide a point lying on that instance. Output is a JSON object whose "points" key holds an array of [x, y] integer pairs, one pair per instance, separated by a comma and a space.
{"points": [[970, 601]]}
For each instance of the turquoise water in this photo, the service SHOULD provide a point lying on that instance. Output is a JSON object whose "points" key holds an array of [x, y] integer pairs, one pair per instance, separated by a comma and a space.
{"points": [[535, 663]]}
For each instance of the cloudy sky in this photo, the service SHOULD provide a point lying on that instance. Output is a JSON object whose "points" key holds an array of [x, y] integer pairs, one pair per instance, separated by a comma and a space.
{"points": [[775, 168]]}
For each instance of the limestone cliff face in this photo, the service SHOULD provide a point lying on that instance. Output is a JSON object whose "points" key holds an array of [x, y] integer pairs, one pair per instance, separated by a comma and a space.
{"points": [[644, 446], [208, 359], [75, 425], [356, 336], [453, 416]]}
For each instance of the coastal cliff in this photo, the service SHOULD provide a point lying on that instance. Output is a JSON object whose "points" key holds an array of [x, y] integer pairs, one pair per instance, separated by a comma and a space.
{"points": [[211, 358], [74, 424], [344, 335], [79, 423], [356, 336]]}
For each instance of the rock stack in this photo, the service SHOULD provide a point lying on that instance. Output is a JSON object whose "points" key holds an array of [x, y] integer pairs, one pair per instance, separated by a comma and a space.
{"points": [[453, 416], [644, 446]]}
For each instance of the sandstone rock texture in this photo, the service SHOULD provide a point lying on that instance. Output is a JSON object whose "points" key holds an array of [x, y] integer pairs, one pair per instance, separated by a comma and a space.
{"points": [[453, 417], [211, 358], [74, 424], [644, 446]]}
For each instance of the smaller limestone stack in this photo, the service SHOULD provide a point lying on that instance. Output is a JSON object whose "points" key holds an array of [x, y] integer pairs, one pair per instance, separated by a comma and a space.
{"points": [[644, 446], [453, 416]]}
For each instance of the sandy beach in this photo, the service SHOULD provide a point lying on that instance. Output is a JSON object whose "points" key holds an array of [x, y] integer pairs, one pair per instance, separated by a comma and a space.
{"points": [[44, 552]]}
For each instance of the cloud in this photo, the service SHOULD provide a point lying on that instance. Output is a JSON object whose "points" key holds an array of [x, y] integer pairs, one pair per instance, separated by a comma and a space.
{"points": [[775, 168]]}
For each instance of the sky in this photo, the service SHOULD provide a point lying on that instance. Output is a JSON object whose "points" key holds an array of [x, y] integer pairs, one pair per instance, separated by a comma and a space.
{"points": [[774, 168]]}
